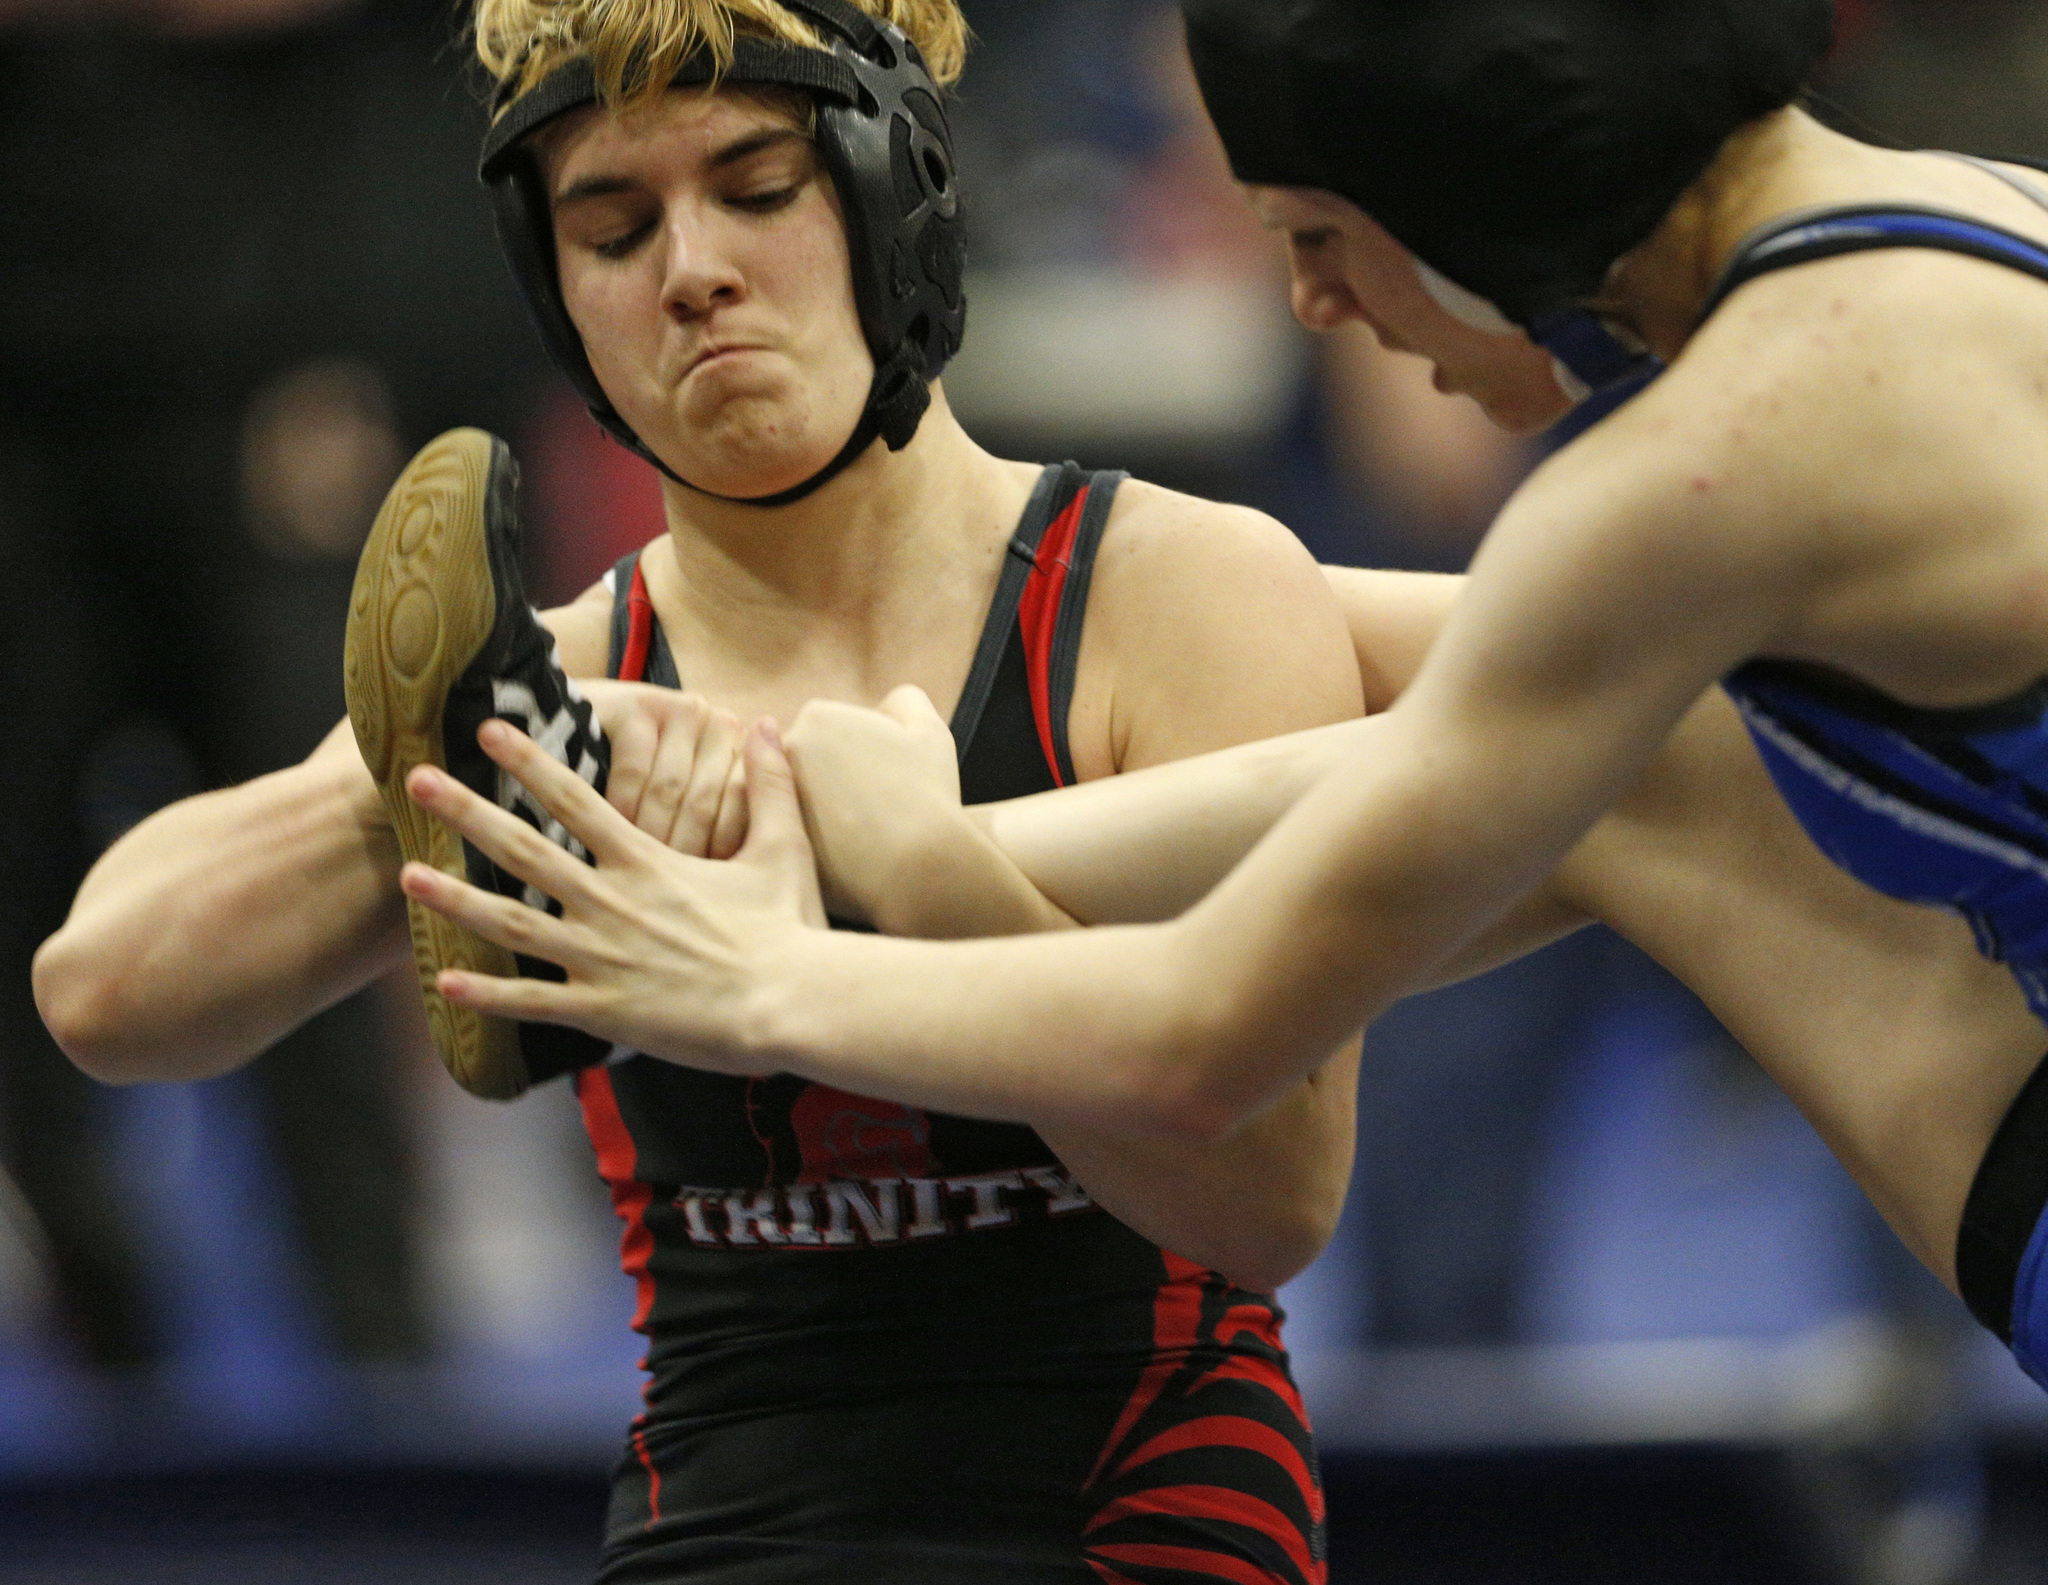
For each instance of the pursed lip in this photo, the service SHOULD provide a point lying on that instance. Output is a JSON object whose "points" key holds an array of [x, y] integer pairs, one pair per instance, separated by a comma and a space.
{"points": [[719, 350]]}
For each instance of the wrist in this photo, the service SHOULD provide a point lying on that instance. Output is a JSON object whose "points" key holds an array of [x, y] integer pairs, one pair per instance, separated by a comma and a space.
{"points": [[778, 1022], [937, 869]]}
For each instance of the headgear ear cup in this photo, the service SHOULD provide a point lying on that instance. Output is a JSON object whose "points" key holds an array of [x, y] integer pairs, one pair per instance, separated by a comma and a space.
{"points": [[883, 137]]}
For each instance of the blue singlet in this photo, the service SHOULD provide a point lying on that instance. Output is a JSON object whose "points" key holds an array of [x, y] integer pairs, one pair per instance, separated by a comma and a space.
{"points": [[1948, 807]]}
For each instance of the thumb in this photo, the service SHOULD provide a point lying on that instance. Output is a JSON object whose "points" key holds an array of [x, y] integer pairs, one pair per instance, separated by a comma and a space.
{"points": [[912, 707], [776, 839]]}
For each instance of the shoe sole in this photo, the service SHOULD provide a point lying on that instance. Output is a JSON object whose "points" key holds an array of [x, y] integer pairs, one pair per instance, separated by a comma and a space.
{"points": [[422, 608]]}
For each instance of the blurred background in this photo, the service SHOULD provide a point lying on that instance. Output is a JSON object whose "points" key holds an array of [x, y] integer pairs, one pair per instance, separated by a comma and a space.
{"points": [[1602, 1308]]}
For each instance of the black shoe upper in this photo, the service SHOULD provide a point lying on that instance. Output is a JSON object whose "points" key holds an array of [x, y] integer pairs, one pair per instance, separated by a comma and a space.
{"points": [[515, 677]]}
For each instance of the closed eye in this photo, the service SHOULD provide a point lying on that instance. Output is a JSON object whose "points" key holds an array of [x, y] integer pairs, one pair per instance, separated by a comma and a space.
{"points": [[769, 202], [621, 246]]}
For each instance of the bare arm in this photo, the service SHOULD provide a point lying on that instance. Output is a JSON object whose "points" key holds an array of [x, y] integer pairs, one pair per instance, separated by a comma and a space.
{"points": [[1175, 669], [221, 923], [1895, 1036], [1147, 846], [1257, 1207], [224, 921]]}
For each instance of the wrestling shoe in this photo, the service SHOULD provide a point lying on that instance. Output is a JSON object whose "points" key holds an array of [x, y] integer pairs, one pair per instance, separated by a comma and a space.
{"points": [[440, 639]]}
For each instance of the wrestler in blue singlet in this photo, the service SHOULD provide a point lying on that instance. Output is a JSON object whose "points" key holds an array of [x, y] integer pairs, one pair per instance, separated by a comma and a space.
{"points": [[1948, 807]]}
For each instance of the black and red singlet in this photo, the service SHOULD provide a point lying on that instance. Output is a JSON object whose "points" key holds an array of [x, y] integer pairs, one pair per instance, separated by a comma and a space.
{"points": [[896, 1346]]}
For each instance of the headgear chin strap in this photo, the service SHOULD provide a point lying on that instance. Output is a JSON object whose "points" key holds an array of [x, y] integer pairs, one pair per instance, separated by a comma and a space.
{"points": [[883, 136], [1589, 352]]}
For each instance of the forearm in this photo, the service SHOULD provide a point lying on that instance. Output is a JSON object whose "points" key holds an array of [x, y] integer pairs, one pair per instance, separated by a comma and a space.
{"points": [[1082, 1028], [953, 883], [222, 922], [1185, 1030], [1257, 1206], [1147, 845]]}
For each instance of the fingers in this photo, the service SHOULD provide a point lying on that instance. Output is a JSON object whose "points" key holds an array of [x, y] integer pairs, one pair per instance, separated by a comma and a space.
{"points": [[634, 741], [776, 839], [913, 707], [508, 840], [504, 838], [635, 717], [673, 761], [653, 746], [703, 785], [728, 835], [503, 920], [527, 1001]]}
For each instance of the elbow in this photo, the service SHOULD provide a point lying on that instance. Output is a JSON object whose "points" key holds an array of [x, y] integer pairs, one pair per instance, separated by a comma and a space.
{"points": [[72, 1000], [1195, 1115], [1200, 1088], [79, 1001], [1280, 1245], [1298, 1245]]}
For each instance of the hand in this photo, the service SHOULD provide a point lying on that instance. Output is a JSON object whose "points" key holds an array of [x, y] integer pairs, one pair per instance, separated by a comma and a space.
{"points": [[677, 772], [659, 947], [881, 791]]}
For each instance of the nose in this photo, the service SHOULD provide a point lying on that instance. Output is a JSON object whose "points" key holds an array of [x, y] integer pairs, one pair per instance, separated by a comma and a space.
{"points": [[699, 276], [1320, 301]]}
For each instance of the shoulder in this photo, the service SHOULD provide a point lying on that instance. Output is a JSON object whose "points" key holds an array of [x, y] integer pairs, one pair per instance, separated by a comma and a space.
{"points": [[583, 632], [1208, 624], [1152, 529], [1827, 417], [1844, 376]]}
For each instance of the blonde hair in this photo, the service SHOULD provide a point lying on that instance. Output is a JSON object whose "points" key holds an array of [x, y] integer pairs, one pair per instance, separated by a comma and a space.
{"points": [[636, 46]]}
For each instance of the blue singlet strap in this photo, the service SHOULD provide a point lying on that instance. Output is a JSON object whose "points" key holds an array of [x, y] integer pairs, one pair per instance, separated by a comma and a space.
{"points": [[1827, 233]]}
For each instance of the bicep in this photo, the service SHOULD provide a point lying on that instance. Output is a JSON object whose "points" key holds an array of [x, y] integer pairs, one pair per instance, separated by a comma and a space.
{"points": [[1597, 612], [1193, 649], [1393, 619]]}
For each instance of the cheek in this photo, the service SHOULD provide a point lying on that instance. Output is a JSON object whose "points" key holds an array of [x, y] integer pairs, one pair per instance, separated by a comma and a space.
{"points": [[606, 306], [811, 271]]}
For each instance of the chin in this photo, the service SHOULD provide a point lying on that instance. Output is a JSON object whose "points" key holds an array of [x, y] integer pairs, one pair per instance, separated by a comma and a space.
{"points": [[1524, 416], [751, 463], [744, 447]]}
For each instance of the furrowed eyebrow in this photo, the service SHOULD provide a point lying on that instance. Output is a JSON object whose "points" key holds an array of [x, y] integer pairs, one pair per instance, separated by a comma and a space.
{"points": [[732, 154]]}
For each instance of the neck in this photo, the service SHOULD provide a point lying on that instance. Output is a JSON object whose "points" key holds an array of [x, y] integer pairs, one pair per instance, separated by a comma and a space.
{"points": [[1770, 168], [889, 523]]}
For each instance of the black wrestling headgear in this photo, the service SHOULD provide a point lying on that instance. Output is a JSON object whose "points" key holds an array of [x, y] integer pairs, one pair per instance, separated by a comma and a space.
{"points": [[883, 136], [1519, 147]]}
